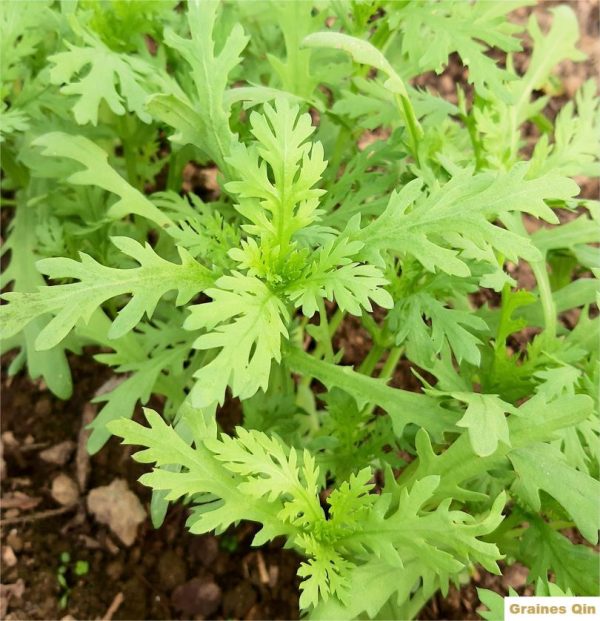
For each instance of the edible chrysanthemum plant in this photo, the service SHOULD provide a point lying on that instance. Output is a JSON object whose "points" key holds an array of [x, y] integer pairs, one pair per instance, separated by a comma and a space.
{"points": [[388, 494]]}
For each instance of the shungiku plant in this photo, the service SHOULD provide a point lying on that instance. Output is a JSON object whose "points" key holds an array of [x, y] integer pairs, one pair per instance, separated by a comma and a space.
{"points": [[242, 297]]}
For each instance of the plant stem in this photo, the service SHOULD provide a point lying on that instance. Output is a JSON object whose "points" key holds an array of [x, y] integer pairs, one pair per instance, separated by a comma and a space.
{"points": [[390, 364], [540, 272], [130, 164], [325, 339], [318, 352], [548, 307], [372, 358], [387, 372], [412, 124]]}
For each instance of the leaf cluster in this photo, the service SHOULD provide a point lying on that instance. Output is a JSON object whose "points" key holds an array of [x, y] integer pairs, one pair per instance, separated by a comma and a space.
{"points": [[465, 430]]}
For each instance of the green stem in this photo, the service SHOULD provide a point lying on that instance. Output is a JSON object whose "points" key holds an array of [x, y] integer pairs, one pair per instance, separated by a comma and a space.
{"points": [[548, 307], [334, 324], [412, 124], [340, 147], [387, 372], [419, 599], [540, 271], [174, 172], [318, 352], [129, 154], [390, 364], [130, 165], [370, 361], [325, 339], [370, 325], [469, 123]]}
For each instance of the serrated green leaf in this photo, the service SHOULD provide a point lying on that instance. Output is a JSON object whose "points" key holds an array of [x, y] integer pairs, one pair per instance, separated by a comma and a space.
{"points": [[279, 206], [404, 407], [427, 226], [99, 70], [70, 303], [575, 567], [485, 420], [542, 467], [332, 274], [97, 172], [245, 322], [204, 121]]}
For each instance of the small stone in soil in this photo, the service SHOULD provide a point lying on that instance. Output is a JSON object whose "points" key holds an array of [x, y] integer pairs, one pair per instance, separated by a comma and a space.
{"points": [[8, 439], [118, 507], [64, 490], [171, 570], [238, 601], [43, 407], [2, 462], [197, 597], [114, 570], [134, 600], [8, 556], [205, 549], [59, 453], [515, 576], [14, 541]]}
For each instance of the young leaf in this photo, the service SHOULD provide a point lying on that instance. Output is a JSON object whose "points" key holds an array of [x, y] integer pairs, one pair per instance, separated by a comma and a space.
{"points": [[70, 303], [432, 234], [426, 325], [431, 33], [135, 76], [542, 467], [332, 274], [575, 567], [51, 364], [404, 407], [245, 321], [486, 421], [97, 172], [203, 121], [575, 147], [281, 203]]}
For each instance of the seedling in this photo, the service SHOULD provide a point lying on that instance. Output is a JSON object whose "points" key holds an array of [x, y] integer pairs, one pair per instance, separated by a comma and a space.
{"points": [[349, 196], [67, 572]]}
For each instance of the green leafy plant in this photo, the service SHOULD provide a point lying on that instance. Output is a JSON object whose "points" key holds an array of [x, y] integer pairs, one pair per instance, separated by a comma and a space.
{"points": [[389, 494]]}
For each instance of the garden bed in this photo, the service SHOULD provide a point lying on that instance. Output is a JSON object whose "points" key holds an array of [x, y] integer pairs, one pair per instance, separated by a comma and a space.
{"points": [[168, 573]]}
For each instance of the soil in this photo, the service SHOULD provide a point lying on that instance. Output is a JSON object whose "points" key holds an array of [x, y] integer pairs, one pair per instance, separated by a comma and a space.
{"points": [[167, 573]]}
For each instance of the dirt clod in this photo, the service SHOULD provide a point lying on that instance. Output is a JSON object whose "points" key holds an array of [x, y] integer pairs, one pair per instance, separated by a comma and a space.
{"points": [[8, 592], [9, 558], [64, 490], [14, 541], [2, 462], [238, 601], [118, 507], [43, 407], [58, 454], [197, 597], [205, 549], [172, 570]]}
